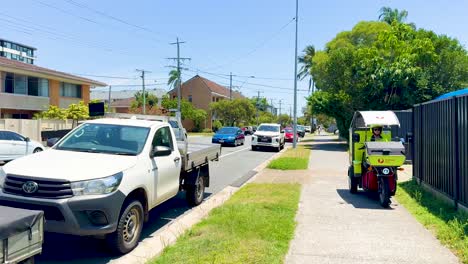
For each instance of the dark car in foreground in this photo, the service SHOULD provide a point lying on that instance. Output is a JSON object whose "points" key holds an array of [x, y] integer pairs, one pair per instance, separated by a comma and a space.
{"points": [[229, 136]]}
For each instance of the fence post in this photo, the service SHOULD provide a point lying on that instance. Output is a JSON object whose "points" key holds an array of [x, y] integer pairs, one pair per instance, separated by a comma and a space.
{"points": [[421, 147], [457, 155]]}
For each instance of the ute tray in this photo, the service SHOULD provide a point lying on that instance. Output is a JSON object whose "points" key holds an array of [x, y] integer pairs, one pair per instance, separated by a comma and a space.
{"points": [[385, 148]]}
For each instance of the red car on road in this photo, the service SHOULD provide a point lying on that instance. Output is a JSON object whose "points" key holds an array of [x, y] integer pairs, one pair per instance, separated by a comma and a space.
{"points": [[288, 134]]}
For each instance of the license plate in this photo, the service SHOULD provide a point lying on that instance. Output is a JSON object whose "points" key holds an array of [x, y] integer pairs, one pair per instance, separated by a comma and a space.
{"points": [[221, 141]]}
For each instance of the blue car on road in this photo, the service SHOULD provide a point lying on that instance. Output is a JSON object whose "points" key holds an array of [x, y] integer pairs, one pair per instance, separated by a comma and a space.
{"points": [[229, 135]]}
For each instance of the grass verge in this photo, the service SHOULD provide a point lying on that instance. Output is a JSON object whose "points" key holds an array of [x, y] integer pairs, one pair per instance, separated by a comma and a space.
{"points": [[292, 159], [254, 226], [449, 226], [204, 134]]}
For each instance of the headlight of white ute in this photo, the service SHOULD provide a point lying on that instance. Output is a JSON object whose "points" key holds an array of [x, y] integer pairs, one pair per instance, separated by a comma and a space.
{"points": [[98, 186]]}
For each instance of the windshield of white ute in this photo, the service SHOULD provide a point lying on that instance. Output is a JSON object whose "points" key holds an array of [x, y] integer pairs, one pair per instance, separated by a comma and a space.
{"points": [[268, 128], [104, 138]]}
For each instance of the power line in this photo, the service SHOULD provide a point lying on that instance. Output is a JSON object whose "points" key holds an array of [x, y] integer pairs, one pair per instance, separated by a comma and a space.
{"points": [[26, 25], [117, 77], [256, 47], [111, 17], [255, 84]]}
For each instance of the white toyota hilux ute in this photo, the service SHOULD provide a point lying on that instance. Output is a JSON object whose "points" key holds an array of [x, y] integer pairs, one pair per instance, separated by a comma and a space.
{"points": [[268, 135], [104, 176]]}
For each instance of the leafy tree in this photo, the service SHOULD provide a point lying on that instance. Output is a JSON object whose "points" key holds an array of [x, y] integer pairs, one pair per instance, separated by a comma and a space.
{"points": [[302, 121], [53, 112], [233, 112], [188, 111], [259, 103], [266, 117], [380, 66], [217, 125], [174, 77], [284, 120], [389, 15], [325, 120], [78, 111], [151, 100]]}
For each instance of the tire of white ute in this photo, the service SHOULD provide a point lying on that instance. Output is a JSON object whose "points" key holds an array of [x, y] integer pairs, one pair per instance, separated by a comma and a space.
{"points": [[129, 227], [196, 193]]}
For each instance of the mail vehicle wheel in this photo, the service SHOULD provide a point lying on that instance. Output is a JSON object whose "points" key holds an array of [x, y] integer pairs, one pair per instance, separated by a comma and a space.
{"points": [[384, 192], [129, 227], [352, 181]]}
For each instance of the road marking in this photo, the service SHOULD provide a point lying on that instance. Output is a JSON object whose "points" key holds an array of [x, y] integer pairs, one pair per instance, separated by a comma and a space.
{"points": [[225, 155]]}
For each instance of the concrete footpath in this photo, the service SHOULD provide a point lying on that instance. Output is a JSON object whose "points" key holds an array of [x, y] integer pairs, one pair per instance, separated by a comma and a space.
{"points": [[335, 226]]}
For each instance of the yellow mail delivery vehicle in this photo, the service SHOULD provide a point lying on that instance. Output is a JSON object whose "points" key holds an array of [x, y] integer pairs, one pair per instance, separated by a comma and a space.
{"points": [[374, 156]]}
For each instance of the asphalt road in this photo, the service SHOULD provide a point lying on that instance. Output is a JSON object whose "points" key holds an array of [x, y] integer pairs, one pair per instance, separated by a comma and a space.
{"points": [[234, 167]]}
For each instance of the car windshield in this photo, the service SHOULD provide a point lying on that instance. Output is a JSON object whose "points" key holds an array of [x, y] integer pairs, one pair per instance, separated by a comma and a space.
{"points": [[227, 130], [288, 130], [268, 128], [105, 138]]}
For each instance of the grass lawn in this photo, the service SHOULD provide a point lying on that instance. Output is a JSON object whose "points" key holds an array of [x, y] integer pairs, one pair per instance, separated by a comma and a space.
{"points": [[292, 159], [449, 226], [254, 226]]}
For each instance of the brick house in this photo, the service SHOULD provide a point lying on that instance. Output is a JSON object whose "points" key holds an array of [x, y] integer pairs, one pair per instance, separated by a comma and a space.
{"points": [[201, 92]]}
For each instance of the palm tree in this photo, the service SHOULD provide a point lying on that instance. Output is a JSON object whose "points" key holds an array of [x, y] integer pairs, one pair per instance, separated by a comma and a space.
{"points": [[174, 77], [307, 62], [389, 15]]}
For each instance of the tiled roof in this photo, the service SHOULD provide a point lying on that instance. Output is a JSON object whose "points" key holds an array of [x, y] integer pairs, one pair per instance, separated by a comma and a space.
{"points": [[212, 86], [13, 64]]}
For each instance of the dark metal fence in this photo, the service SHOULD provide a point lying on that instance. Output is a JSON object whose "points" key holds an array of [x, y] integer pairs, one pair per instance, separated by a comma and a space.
{"points": [[406, 126], [441, 146]]}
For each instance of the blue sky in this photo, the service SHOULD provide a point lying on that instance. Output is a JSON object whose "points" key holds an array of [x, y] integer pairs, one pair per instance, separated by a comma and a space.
{"points": [[247, 38]]}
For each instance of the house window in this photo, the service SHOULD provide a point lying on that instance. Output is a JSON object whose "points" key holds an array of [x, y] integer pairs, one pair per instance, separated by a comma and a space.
{"points": [[190, 98], [70, 90], [9, 83], [21, 84], [38, 86]]}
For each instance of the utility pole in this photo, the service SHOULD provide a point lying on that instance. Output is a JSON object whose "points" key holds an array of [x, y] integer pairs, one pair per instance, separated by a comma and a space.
{"points": [[280, 101], [230, 86], [271, 106], [295, 81], [109, 102], [258, 103], [144, 93], [179, 75]]}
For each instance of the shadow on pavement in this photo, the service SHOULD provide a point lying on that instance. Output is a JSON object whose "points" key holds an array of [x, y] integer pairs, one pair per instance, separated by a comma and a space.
{"points": [[361, 200], [59, 248]]}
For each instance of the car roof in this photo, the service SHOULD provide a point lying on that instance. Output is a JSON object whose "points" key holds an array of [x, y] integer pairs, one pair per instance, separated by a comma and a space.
{"points": [[126, 122], [230, 127]]}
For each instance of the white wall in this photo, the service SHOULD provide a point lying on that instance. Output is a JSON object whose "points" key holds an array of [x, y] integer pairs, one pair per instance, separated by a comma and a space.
{"points": [[33, 128]]}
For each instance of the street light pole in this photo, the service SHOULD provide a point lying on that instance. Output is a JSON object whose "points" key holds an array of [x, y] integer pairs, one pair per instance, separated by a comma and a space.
{"points": [[295, 81]]}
